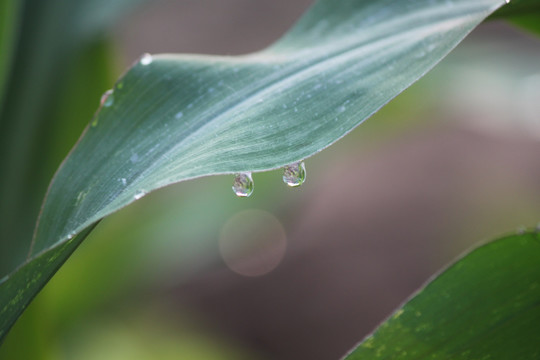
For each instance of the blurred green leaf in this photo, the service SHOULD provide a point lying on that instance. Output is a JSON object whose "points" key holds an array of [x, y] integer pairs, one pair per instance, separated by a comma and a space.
{"points": [[9, 26], [41, 114], [522, 13], [485, 306], [88, 70], [517, 8], [151, 335], [173, 118], [50, 35], [529, 22]]}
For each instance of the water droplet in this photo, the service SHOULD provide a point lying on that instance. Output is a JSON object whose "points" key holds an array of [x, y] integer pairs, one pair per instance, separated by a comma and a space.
{"points": [[294, 174], [146, 59], [134, 158], [243, 184], [179, 115], [107, 98], [71, 235], [124, 181], [139, 194]]}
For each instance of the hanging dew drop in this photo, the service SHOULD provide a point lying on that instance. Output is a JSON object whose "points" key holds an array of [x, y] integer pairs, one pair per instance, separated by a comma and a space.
{"points": [[146, 59], [243, 184], [107, 98], [294, 174]]}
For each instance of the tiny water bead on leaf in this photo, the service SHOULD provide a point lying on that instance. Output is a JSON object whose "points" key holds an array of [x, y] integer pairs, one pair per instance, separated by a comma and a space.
{"points": [[139, 194], [146, 59], [243, 185], [107, 98], [294, 174]]}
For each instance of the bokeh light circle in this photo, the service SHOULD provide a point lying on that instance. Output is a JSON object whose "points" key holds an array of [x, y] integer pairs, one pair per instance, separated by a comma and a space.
{"points": [[252, 242]]}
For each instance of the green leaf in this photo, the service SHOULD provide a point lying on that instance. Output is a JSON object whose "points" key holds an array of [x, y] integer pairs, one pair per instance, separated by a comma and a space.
{"points": [[9, 23], [522, 13], [180, 117], [518, 8], [485, 306], [529, 22]]}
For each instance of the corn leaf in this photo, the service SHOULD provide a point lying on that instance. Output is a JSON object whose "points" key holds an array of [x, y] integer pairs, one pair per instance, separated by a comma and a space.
{"points": [[172, 118]]}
